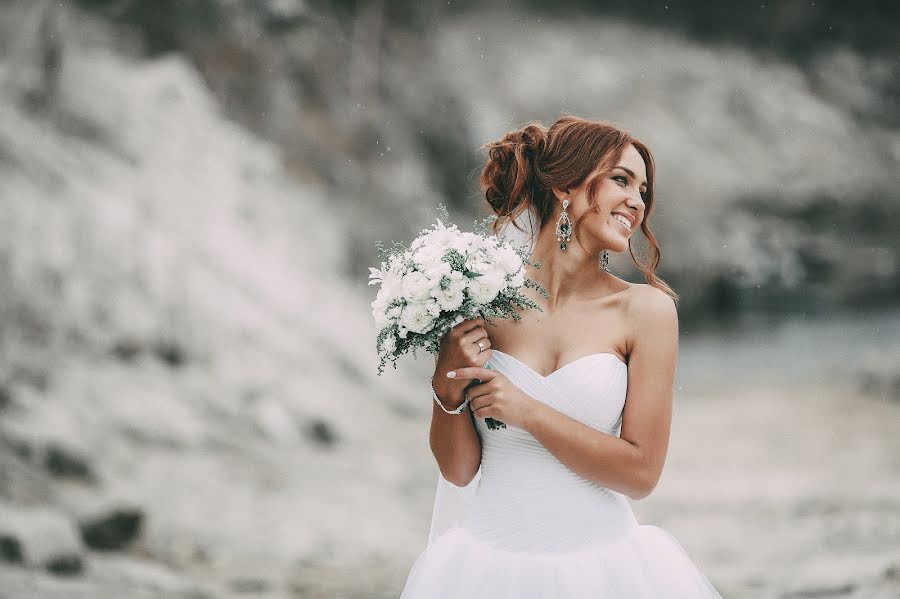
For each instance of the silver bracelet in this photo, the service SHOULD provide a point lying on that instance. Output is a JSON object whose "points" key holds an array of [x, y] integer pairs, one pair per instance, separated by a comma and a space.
{"points": [[458, 410]]}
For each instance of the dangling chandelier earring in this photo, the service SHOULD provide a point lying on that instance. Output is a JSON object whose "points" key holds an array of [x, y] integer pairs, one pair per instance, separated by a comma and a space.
{"points": [[604, 260], [564, 227]]}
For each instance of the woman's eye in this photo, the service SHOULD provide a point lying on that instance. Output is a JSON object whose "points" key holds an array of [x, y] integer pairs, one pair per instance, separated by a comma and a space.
{"points": [[621, 178]]}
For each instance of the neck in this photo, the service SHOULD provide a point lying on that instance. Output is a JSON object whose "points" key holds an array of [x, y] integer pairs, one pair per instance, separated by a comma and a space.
{"points": [[569, 275]]}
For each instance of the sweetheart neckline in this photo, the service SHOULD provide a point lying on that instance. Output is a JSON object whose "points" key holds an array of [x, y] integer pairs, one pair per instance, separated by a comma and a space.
{"points": [[564, 366]]}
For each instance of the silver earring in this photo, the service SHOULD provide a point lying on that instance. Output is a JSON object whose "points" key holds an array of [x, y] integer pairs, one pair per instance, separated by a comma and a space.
{"points": [[604, 260], [564, 227]]}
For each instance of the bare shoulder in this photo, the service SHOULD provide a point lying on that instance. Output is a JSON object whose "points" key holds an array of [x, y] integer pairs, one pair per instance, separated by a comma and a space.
{"points": [[648, 301], [651, 313]]}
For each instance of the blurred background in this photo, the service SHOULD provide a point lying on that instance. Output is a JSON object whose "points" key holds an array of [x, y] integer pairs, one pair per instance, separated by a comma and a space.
{"points": [[190, 194]]}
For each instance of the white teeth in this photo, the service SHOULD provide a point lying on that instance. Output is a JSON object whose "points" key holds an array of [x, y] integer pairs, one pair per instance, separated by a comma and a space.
{"points": [[622, 220]]}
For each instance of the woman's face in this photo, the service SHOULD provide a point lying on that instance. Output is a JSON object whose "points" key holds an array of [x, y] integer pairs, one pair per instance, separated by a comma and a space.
{"points": [[620, 205]]}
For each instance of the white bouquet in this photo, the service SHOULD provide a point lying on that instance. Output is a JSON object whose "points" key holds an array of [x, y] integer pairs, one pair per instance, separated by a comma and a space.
{"points": [[445, 277]]}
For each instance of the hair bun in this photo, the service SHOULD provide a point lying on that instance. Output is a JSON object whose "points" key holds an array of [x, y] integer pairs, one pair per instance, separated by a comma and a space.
{"points": [[511, 176], [533, 138]]}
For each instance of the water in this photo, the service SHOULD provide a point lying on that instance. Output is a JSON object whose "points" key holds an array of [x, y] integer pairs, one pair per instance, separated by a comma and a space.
{"points": [[788, 350]]}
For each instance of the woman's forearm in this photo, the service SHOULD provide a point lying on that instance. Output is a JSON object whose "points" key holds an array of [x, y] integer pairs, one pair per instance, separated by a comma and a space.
{"points": [[454, 441], [595, 455]]}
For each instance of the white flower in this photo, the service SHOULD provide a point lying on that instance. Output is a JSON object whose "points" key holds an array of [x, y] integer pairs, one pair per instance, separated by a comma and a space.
{"points": [[391, 286], [485, 288], [379, 312], [433, 307], [464, 243], [518, 279], [480, 262], [437, 271], [453, 296], [506, 259], [416, 286], [416, 317], [450, 298], [375, 276], [438, 236], [428, 256]]}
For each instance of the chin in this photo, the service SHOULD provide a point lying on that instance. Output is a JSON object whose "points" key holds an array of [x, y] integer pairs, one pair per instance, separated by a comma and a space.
{"points": [[617, 244]]}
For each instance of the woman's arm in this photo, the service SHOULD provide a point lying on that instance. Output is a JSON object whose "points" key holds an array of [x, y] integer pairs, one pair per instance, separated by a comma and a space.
{"points": [[630, 464], [453, 438]]}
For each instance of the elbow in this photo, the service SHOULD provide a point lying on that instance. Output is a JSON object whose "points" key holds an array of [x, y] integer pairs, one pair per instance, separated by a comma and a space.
{"points": [[460, 478], [457, 472], [643, 484]]}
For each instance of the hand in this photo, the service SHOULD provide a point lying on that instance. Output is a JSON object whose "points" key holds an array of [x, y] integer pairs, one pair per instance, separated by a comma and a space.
{"points": [[496, 396], [459, 348]]}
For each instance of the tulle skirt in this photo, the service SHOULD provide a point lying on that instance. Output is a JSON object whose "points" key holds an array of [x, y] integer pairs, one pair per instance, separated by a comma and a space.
{"points": [[646, 562]]}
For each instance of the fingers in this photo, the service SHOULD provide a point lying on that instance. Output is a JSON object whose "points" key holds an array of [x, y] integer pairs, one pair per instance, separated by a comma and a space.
{"points": [[474, 343], [484, 356], [474, 336], [476, 349], [466, 326], [471, 373], [480, 400]]}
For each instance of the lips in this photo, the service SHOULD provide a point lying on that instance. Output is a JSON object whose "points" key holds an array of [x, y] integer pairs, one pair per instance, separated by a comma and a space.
{"points": [[622, 220]]}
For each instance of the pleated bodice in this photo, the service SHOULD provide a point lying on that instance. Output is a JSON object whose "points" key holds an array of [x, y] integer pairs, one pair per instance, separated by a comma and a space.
{"points": [[527, 500]]}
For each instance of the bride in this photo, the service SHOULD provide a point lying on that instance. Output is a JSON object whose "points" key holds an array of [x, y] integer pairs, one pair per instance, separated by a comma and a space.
{"points": [[540, 507]]}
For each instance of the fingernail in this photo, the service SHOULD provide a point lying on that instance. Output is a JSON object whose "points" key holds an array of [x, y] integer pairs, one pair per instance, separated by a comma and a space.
{"points": [[451, 374]]}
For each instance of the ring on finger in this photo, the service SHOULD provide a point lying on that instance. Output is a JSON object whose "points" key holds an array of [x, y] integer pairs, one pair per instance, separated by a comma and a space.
{"points": [[480, 346]]}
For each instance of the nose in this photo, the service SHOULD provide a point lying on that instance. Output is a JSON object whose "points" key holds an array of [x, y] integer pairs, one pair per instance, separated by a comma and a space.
{"points": [[635, 201]]}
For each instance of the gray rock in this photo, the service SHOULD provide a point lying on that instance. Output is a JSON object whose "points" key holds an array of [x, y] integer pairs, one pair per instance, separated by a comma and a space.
{"points": [[41, 538], [10, 549], [112, 530], [63, 462]]}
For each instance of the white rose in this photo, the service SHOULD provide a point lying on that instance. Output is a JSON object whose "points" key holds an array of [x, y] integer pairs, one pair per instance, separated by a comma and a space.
{"points": [[484, 289], [416, 317], [462, 242], [481, 292], [495, 280], [437, 271], [416, 286], [507, 260], [428, 256]]}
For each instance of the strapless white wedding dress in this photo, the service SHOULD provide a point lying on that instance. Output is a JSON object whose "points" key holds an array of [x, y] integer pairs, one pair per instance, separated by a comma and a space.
{"points": [[535, 529]]}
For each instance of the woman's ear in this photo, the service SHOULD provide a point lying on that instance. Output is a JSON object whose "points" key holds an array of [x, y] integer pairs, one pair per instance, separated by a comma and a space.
{"points": [[560, 194]]}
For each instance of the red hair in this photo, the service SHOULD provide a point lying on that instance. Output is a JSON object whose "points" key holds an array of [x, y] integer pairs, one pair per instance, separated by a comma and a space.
{"points": [[524, 167]]}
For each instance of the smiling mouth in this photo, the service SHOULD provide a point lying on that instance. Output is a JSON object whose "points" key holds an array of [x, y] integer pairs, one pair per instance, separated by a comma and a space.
{"points": [[621, 221]]}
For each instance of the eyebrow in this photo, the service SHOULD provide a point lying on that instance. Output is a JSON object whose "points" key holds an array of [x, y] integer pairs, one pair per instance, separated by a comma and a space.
{"points": [[630, 172]]}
